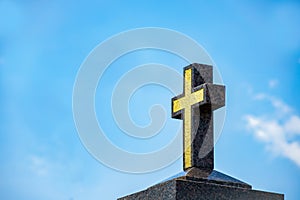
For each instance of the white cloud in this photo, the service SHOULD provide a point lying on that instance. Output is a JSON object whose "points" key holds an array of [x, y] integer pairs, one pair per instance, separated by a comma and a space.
{"points": [[277, 132], [273, 83], [293, 125], [279, 105], [39, 165]]}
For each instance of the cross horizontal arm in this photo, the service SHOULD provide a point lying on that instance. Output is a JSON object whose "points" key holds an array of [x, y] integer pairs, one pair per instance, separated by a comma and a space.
{"points": [[214, 95], [207, 93]]}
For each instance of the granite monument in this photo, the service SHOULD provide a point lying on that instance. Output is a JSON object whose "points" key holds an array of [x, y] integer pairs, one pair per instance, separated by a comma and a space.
{"points": [[199, 180]]}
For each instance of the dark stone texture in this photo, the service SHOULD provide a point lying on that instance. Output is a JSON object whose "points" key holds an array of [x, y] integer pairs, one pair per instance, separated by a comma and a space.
{"points": [[215, 95], [217, 186], [202, 138], [201, 74], [214, 177]]}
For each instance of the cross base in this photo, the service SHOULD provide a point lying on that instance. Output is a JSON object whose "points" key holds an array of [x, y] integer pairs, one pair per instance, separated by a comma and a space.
{"points": [[198, 173], [215, 186]]}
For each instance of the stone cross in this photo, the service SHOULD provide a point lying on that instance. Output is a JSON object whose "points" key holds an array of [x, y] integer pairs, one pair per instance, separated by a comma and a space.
{"points": [[195, 107]]}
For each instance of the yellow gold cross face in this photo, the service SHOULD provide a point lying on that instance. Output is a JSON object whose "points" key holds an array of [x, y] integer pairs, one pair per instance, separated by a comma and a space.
{"points": [[185, 103]]}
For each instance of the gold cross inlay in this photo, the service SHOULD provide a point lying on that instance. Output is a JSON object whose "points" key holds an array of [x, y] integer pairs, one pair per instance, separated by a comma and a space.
{"points": [[186, 103]]}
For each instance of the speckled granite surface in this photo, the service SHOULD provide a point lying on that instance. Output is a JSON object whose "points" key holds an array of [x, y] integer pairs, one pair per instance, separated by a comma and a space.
{"points": [[216, 186]]}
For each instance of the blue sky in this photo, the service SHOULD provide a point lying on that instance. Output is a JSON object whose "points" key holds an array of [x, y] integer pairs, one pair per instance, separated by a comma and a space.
{"points": [[255, 44]]}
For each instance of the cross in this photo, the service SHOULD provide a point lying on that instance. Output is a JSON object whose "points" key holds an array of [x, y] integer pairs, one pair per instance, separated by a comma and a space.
{"points": [[195, 107]]}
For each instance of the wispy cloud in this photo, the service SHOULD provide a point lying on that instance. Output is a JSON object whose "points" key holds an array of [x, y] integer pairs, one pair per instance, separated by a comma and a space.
{"points": [[273, 83], [39, 165], [279, 105], [277, 131]]}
